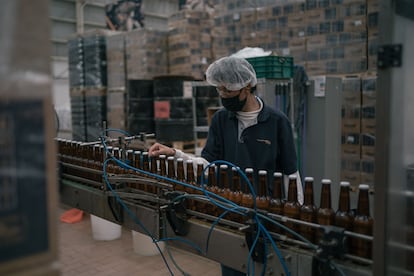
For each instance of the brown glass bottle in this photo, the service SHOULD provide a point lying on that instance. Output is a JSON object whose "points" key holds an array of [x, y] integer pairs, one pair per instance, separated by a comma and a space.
{"points": [[138, 165], [146, 168], [235, 193], [213, 188], [343, 216], [291, 208], [199, 205], [163, 165], [180, 174], [247, 197], [224, 190], [262, 199], [325, 214], [276, 202], [363, 224], [190, 180], [171, 170], [153, 167], [224, 187], [308, 211]]}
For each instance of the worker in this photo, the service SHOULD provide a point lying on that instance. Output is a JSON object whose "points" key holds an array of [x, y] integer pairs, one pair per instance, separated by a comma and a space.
{"points": [[246, 132]]}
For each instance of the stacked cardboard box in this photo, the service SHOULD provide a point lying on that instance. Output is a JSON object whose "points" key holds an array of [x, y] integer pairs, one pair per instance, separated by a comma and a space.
{"points": [[115, 55], [95, 112], [146, 54], [373, 40], [327, 36], [351, 129], [358, 129], [189, 43], [368, 128]]}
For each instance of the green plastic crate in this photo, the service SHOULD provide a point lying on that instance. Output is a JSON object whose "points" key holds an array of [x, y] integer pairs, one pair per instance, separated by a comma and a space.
{"points": [[272, 67]]}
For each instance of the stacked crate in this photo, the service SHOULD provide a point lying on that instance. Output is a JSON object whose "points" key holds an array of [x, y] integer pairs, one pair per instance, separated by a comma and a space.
{"points": [[76, 87], [173, 113], [95, 83], [368, 128], [189, 43], [350, 131], [140, 106], [146, 54], [373, 40], [116, 99]]}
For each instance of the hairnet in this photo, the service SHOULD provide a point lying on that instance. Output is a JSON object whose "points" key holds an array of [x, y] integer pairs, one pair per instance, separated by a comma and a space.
{"points": [[231, 72]]}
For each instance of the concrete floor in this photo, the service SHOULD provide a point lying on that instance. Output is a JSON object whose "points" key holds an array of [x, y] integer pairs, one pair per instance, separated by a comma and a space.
{"points": [[81, 255]]}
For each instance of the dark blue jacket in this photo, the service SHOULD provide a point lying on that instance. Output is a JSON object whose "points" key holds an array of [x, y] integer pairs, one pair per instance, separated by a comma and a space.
{"points": [[268, 145]]}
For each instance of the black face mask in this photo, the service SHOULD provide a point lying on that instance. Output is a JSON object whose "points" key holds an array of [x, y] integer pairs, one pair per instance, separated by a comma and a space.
{"points": [[233, 103]]}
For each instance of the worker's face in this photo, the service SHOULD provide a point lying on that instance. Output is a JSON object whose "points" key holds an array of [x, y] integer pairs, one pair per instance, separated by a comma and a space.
{"points": [[233, 100]]}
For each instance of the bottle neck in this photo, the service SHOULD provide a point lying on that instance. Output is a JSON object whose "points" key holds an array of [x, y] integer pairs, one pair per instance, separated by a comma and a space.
{"points": [[326, 196], [363, 203], [277, 188], [344, 204], [292, 191], [262, 185], [308, 197]]}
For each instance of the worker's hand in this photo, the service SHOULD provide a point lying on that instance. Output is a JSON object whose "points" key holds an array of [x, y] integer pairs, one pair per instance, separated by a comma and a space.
{"points": [[158, 149]]}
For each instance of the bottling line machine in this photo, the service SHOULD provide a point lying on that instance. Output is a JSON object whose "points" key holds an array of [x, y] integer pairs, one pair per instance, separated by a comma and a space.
{"points": [[123, 185]]}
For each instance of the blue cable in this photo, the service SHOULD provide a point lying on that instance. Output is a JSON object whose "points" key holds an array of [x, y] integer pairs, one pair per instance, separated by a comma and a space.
{"points": [[136, 220]]}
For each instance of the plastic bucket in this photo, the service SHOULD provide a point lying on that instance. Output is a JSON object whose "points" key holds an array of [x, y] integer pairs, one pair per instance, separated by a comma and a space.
{"points": [[143, 244], [105, 230]]}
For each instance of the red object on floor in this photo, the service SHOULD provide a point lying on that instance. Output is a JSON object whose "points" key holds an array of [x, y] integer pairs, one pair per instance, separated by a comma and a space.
{"points": [[72, 216]]}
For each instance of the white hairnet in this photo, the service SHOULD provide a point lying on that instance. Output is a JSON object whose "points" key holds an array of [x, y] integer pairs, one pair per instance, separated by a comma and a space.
{"points": [[231, 72]]}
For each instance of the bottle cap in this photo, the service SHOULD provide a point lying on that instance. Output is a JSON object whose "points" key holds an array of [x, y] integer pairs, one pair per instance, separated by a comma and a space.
{"points": [[277, 174], [344, 184], [223, 166], [180, 160], [199, 162], [163, 156], [293, 176], [145, 153], [248, 170], [189, 161], [262, 172], [309, 179], [326, 181], [363, 186], [170, 158]]}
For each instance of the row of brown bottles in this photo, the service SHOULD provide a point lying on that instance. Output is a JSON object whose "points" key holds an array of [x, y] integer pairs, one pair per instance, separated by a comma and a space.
{"points": [[229, 186]]}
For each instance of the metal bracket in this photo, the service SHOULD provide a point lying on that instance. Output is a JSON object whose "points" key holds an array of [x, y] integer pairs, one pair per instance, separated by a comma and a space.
{"points": [[389, 56]]}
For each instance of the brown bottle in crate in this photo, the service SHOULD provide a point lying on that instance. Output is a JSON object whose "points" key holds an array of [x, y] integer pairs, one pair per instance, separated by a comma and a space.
{"points": [[343, 216], [276, 202], [235, 193], [308, 211], [247, 197], [262, 200], [180, 175], [291, 208], [325, 214], [171, 170], [363, 224]]}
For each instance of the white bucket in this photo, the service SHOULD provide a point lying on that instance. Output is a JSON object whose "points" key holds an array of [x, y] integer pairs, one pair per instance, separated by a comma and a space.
{"points": [[143, 244], [105, 230]]}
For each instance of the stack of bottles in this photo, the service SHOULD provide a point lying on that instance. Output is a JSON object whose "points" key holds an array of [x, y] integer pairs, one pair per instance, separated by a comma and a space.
{"points": [[227, 183]]}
